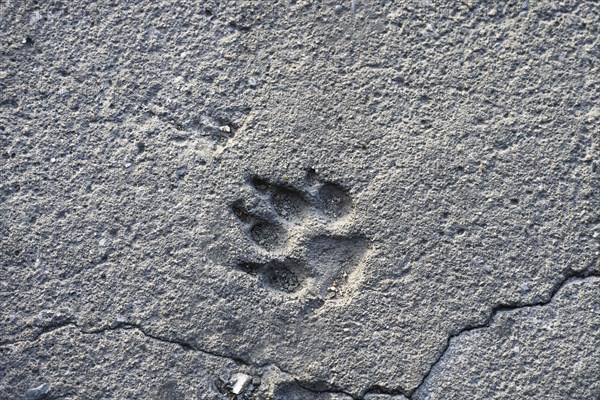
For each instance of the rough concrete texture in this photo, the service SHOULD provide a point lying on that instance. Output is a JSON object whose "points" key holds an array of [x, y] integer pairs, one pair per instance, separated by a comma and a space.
{"points": [[541, 352], [299, 200]]}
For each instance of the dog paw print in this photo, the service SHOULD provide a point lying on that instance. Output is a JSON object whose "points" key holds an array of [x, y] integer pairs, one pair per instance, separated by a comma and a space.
{"points": [[303, 234]]}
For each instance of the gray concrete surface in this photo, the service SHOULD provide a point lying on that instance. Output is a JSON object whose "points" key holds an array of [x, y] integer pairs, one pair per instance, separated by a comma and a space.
{"points": [[299, 200], [542, 352]]}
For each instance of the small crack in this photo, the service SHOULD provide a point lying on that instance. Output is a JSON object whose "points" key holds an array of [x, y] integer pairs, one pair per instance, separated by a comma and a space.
{"points": [[304, 386], [379, 389], [133, 326], [44, 330], [182, 343], [569, 277]]}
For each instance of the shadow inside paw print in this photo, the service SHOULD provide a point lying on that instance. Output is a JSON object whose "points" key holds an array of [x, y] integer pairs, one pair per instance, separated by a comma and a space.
{"points": [[287, 276], [320, 260], [266, 234]]}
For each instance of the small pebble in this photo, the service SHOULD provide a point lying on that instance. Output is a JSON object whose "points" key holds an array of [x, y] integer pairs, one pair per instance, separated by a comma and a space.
{"points": [[38, 392], [225, 129], [241, 382]]}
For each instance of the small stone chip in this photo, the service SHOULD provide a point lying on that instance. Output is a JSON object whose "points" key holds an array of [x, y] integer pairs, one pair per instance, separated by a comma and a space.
{"points": [[38, 392], [240, 382]]}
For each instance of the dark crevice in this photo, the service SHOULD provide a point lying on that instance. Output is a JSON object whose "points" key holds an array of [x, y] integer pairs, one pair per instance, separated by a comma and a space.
{"points": [[127, 325], [378, 389], [568, 277], [43, 331], [182, 343], [54, 326], [307, 386], [132, 326]]}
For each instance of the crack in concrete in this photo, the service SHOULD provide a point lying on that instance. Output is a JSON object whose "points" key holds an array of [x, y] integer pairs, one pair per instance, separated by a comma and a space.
{"points": [[568, 277], [44, 330], [134, 326], [182, 343], [131, 326], [306, 387], [379, 389]]}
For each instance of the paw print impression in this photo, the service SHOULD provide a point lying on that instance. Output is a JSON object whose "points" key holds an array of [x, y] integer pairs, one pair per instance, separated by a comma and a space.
{"points": [[304, 235]]}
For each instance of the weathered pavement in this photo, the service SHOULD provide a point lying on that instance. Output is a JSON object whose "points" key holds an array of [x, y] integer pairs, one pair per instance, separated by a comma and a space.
{"points": [[299, 200]]}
